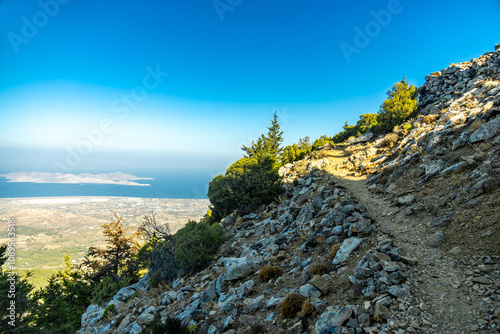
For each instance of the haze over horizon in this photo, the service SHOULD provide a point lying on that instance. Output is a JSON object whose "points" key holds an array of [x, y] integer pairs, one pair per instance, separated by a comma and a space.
{"points": [[121, 86]]}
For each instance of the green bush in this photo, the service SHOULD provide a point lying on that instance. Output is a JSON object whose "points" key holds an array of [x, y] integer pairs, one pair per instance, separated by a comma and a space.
{"points": [[252, 180], [401, 103], [248, 183], [163, 267], [296, 152], [196, 244], [23, 291], [105, 290], [267, 145], [320, 142], [58, 307], [365, 122], [497, 46]]}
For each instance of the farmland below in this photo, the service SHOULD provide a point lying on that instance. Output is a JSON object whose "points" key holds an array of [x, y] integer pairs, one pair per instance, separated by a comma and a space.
{"points": [[48, 228]]}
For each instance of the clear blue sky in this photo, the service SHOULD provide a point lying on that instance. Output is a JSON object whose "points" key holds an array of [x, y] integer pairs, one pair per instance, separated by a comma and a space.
{"points": [[92, 75]]}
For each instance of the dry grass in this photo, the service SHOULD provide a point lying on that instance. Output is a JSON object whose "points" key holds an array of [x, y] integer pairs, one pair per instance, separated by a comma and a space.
{"points": [[429, 119], [389, 140], [414, 149], [334, 250], [349, 151], [482, 150], [269, 272], [476, 124], [291, 305], [307, 309], [256, 328], [318, 269]]}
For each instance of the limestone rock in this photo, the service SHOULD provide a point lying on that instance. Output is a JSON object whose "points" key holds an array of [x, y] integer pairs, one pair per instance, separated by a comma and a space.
{"points": [[273, 302], [406, 200], [486, 131], [209, 294], [435, 240], [212, 330], [237, 268], [399, 291], [295, 329], [381, 312], [309, 291], [329, 319], [320, 283], [348, 246]]}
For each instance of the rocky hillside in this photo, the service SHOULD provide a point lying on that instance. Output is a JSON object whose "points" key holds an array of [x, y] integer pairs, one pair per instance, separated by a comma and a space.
{"points": [[397, 234]]}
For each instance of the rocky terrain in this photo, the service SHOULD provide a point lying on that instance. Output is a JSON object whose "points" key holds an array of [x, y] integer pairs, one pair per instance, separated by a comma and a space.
{"points": [[392, 234]]}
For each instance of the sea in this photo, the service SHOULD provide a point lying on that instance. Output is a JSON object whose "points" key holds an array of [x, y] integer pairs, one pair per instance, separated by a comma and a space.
{"points": [[172, 184]]}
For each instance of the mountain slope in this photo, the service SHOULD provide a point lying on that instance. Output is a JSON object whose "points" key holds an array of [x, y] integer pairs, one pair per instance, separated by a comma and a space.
{"points": [[386, 235]]}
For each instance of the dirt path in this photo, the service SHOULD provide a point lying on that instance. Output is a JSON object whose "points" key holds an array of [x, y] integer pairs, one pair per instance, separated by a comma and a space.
{"points": [[437, 280]]}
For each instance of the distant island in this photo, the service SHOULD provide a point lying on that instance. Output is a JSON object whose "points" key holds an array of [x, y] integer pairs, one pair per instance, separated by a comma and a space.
{"points": [[118, 178]]}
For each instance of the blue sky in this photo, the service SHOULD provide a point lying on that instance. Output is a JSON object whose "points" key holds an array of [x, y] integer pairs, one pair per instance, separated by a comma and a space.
{"points": [[164, 84]]}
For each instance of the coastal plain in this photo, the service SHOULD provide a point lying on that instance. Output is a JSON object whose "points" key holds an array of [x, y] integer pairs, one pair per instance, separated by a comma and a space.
{"points": [[49, 227]]}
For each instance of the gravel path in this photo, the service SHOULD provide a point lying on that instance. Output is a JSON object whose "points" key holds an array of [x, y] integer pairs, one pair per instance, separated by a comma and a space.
{"points": [[441, 284]]}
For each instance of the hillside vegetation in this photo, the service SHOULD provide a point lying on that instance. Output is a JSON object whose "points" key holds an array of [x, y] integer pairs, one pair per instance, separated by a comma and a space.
{"points": [[390, 226]]}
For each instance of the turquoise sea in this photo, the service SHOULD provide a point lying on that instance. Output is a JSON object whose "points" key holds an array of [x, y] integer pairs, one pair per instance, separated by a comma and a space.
{"points": [[172, 184]]}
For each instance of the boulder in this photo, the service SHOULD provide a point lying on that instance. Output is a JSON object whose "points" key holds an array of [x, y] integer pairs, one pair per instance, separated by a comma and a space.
{"points": [[406, 200], [486, 131], [133, 328], [226, 303], [435, 240], [248, 320], [455, 168], [124, 323], [124, 294], [273, 302], [348, 246], [227, 323], [212, 330], [237, 268], [210, 293], [309, 291], [320, 283], [188, 312], [329, 320], [362, 139], [242, 291], [399, 291], [254, 303], [92, 315], [381, 312]]}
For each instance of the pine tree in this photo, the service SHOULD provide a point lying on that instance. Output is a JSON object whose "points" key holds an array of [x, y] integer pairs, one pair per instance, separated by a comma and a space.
{"points": [[58, 307], [252, 180], [400, 104], [114, 258], [22, 301], [269, 145], [274, 138]]}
